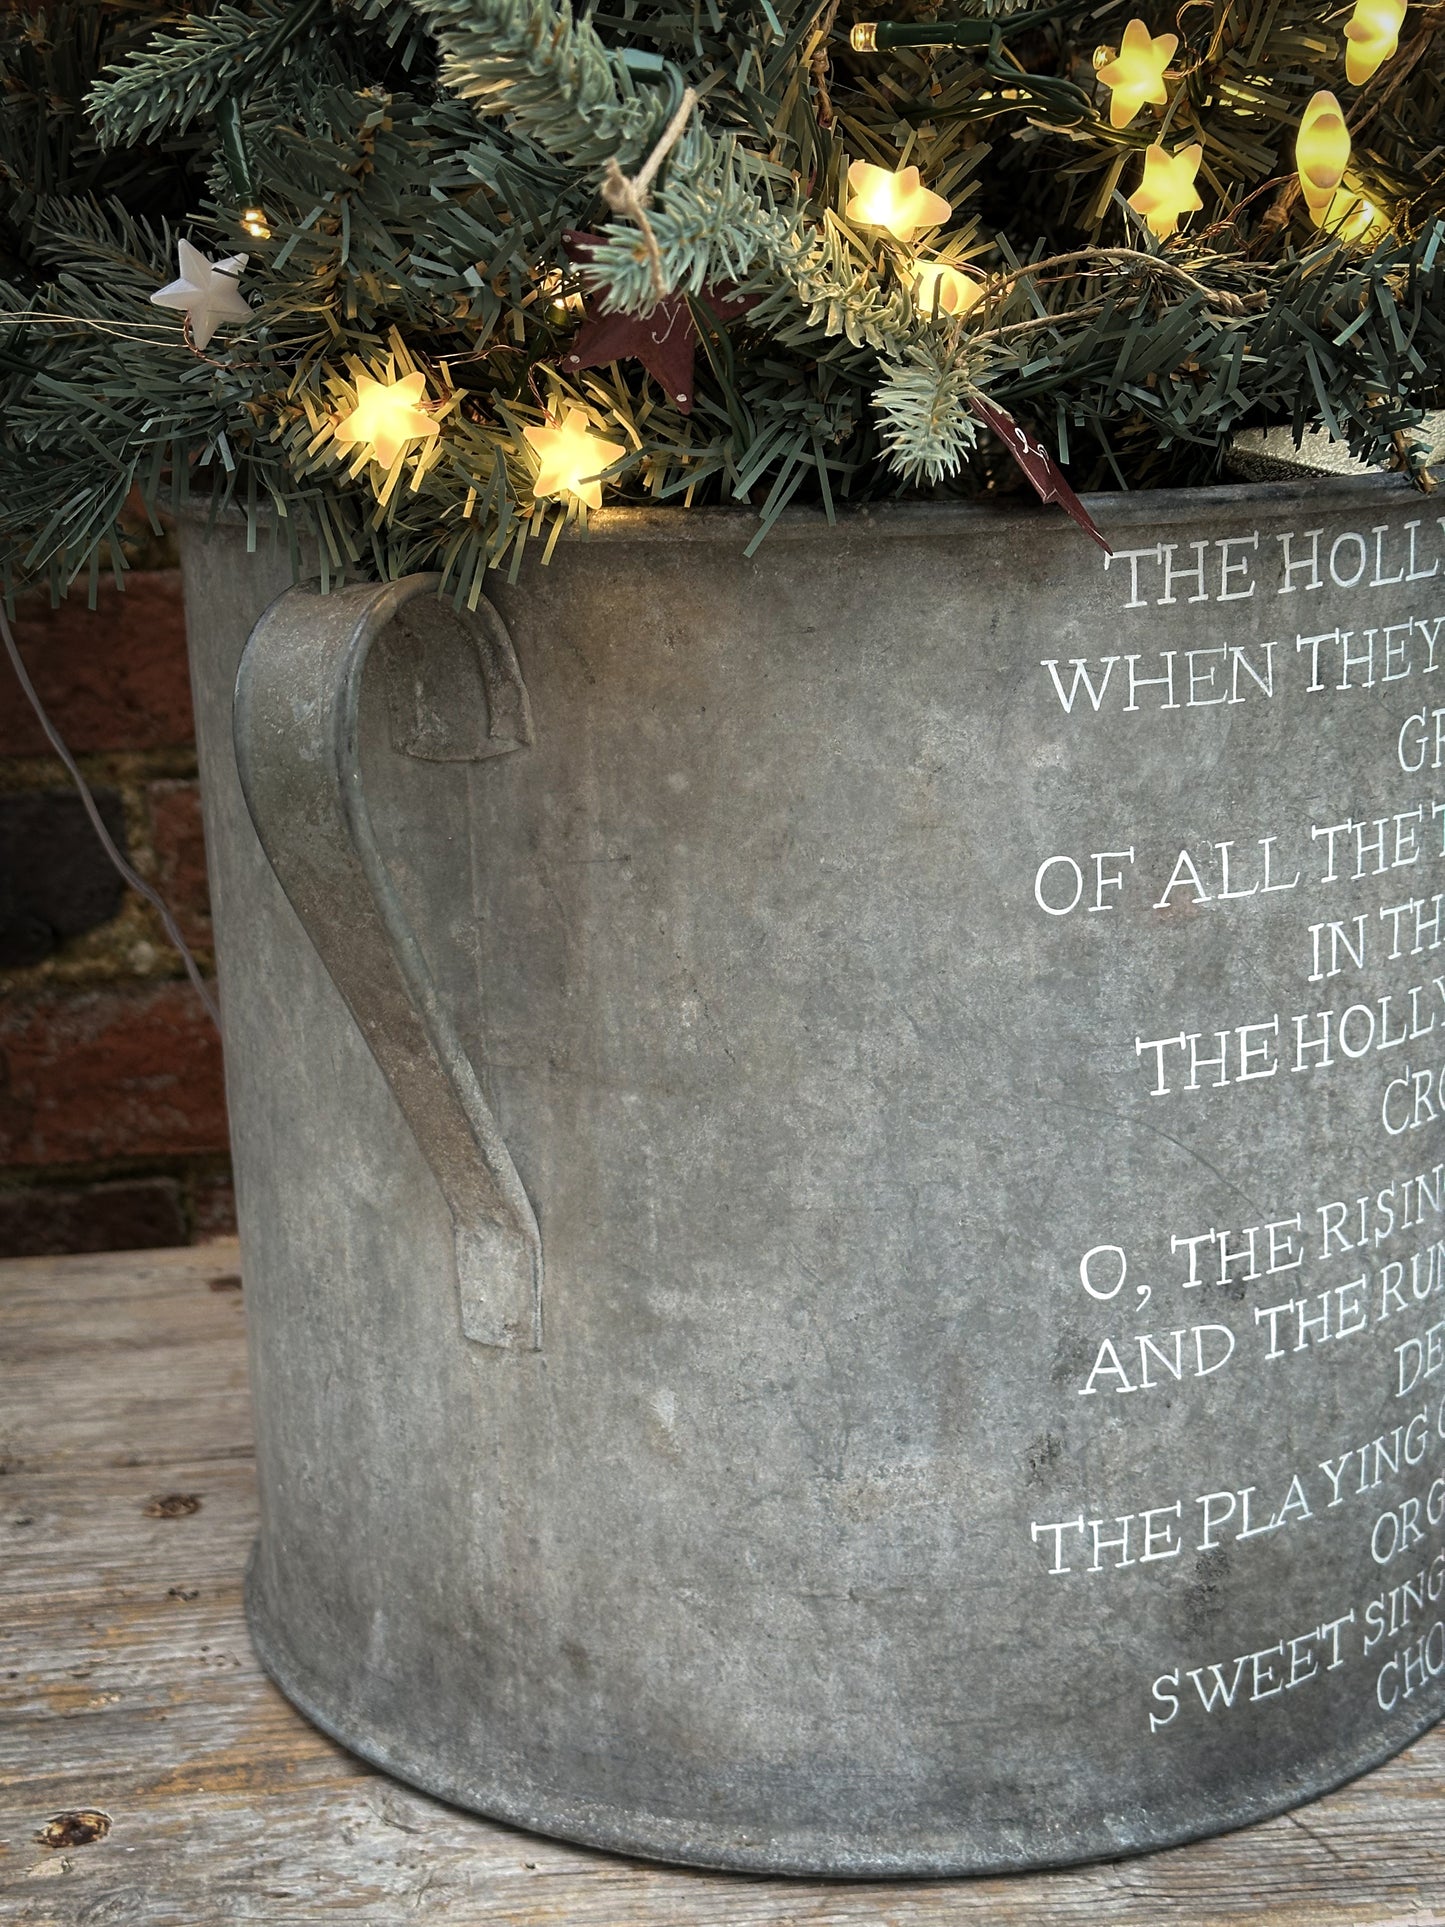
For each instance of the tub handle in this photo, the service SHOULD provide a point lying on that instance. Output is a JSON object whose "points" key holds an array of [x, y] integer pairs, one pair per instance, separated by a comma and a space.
{"points": [[295, 722]]}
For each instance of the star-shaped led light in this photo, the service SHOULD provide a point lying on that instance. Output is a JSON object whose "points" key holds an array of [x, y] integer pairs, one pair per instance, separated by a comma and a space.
{"points": [[206, 292], [954, 290], [387, 415], [1321, 152], [568, 454], [1167, 189], [896, 201], [1136, 73], [1373, 34]]}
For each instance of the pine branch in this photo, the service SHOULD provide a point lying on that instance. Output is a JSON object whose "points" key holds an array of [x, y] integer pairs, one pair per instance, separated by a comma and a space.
{"points": [[715, 220], [925, 423], [180, 76], [549, 73]]}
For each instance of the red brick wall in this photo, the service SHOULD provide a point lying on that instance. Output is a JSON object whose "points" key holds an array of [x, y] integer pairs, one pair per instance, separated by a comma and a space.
{"points": [[112, 1119]]}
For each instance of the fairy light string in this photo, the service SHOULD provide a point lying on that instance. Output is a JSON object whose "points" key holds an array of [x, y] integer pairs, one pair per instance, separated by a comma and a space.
{"points": [[392, 425]]}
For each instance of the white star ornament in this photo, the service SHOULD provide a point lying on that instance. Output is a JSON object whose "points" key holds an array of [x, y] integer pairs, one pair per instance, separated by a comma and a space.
{"points": [[206, 292]]}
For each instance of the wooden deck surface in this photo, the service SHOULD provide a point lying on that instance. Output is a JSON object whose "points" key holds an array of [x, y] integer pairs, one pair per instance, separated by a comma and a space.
{"points": [[128, 1692]]}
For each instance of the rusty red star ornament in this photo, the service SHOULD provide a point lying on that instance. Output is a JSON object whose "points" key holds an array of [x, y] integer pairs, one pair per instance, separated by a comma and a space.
{"points": [[665, 341], [1039, 465]]}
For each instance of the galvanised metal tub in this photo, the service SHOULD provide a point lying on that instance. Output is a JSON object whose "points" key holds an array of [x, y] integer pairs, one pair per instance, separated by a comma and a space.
{"points": [[840, 1169]]}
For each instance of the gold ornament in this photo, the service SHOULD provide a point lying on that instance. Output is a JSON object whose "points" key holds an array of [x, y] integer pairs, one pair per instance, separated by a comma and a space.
{"points": [[1167, 189], [1321, 152], [568, 453], [1373, 34], [1136, 73], [897, 201], [386, 417], [954, 290]]}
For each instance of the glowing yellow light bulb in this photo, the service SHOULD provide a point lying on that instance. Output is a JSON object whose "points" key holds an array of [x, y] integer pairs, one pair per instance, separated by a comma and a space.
{"points": [[253, 222], [864, 37], [1321, 152], [567, 454], [561, 300], [1167, 189], [1136, 73], [954, 290], [1373, 34], [1353, 217], [897, 201], [386, 417]]}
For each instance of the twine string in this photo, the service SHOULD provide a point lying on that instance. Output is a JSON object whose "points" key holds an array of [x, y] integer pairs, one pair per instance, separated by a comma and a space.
{"points": [[630, 197]]}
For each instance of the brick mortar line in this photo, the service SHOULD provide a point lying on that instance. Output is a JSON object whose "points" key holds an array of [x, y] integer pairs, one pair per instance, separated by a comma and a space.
{"points": [[101, 971], [104, 768], [176, 1164], [129, 951], [191, 1176]]}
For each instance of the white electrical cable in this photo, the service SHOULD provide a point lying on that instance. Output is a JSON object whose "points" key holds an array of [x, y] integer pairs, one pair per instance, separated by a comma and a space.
{"points": [[98, 825]]}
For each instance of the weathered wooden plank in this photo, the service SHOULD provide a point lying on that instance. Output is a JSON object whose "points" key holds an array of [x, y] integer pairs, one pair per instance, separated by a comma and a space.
{"points": [[128, 1685], [203, 1423], [122, 1283], [84, 1528], [152, 1372], [377, 1853]]}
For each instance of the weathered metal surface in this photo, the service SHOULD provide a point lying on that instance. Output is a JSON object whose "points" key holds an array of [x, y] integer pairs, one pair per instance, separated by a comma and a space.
{"points": [[966, 1019], [127, 1687], [298, 745]]}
